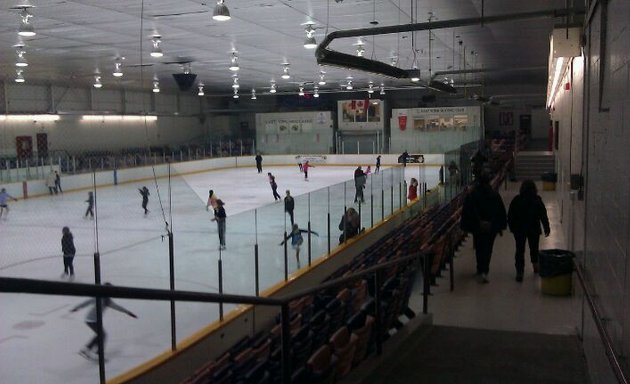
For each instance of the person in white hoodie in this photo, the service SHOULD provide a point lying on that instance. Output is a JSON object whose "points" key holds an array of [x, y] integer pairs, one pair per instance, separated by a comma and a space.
{"points": [[50, 183]]}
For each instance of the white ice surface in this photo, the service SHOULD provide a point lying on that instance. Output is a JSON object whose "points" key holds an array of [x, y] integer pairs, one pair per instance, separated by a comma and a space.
{"points": [[39, 338]]}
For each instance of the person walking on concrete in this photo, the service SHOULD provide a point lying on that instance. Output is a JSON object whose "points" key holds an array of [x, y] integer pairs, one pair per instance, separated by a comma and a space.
{"points": [[483, 215], [289, 205], [526, 214]]}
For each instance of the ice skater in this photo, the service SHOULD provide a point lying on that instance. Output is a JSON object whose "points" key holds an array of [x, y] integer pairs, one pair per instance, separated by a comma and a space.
{"points": [[259, 162], [378, 164], [274, 187], [67, 247], [91, 321], [4, 197], [50, 183], [305, 168], [220, 217], [368, 170], [144, 191], [289, 205], [212, 200], [296, 240], [300, 166], [90, 208], [58, 182]]}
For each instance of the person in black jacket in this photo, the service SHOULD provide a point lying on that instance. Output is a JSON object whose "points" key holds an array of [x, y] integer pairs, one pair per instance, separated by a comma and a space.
{"points": [[274, 187], [289, 205], [259, 162], [67, 247], [144, 191], [527, 211], [220, 217], [483, 215]]}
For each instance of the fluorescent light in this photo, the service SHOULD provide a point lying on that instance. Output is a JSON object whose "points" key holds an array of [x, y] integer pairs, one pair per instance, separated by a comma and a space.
{"points": [[156, 51], [221, 12], [556, 78], [126, 118], [30, 117]]}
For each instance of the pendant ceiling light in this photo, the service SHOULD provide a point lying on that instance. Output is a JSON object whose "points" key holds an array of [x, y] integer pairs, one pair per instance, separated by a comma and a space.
{"points": [[360, 50], [19, 78], [117, 69], [97, 82], [316, 91], [349, 84], [272, 88], [235, 84], [156, 86], [200, 92], [221, 11], [285, 71], [382, 89], [301, 92], [322, 81], [235, 96], [234, 62], [253, 94], [157, 50], [370, 88], [310, 42], [26, 28], [21, 61]]}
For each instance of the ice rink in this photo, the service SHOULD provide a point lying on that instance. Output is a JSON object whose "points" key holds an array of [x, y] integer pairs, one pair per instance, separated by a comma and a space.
{"points": [[40, 338]]}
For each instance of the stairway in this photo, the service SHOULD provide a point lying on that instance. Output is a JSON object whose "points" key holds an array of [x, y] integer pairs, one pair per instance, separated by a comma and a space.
{"points": [[532, 164]]}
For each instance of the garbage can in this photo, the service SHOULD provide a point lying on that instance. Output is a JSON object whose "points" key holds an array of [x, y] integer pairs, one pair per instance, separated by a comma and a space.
{"points": [[549, 180], [556, 271]]}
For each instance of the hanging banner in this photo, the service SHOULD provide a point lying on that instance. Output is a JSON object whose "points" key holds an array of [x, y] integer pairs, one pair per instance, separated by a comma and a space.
{"points": [[402, 122]]}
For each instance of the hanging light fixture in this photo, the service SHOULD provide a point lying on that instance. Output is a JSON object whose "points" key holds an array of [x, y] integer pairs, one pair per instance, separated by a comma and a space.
{"points": [[285, 71], [21, 61], [370, 88], [394, 60], [157, 50], [360, 50], [97, 82], [272, 89], [19, 78], [382, 92], [349, 84], [310, 42], [26, 29], [234, 62], [156, 86], [301, 92], [221, 11], [200, 92], [253, 94], [117, 69], [235, 84], [316, 91], [322, 81], [415, 72], [235, 96]]}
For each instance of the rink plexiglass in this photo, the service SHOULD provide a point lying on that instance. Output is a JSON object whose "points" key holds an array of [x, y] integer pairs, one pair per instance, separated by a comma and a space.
{"points": [[133, 250]]}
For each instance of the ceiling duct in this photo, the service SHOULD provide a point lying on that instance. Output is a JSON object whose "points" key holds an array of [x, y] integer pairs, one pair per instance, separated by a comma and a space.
{"points": [[327, 56], [184, 81]]}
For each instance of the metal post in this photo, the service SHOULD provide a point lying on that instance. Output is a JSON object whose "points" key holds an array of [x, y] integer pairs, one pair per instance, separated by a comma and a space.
{"points": [[220, 285], [230, 146], [99, 319], [358, 147], [102, 163], [309, 230], [377, 313], [382, 203], [426, 281], [256, 269], [171, 267], [328, 219], [74, 164], [344, 223], [241, 146], [391, 200], [286, 344], [286, 257], [90, 164]]}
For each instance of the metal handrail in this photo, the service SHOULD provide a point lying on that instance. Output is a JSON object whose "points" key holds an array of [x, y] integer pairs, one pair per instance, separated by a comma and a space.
{"points": [[614, 362]]}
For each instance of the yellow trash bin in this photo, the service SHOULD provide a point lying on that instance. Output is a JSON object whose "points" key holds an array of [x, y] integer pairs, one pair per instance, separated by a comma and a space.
{"points": [[549, 186], [557, 286]]}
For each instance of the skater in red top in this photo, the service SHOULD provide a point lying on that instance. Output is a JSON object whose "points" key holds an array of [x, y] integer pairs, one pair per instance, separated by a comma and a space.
{"points": [[305, 168], [413, 190]]}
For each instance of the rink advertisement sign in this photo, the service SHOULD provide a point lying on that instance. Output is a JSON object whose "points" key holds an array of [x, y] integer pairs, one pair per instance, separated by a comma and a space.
{"points": [[457, 119], [316, 159]]}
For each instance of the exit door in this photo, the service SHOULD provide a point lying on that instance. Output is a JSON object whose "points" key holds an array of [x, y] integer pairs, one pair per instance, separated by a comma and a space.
{"points": [[24, 147]]}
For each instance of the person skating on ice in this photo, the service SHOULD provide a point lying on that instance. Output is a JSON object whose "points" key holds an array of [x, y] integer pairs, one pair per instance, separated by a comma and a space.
{"points": [[144, 191], [67, 247], [58, 182], [259, 160], [378, 164], [305, 168], [289, 205], [90, 208], [220, 218], [4, 198], [274, 187], [90, 350], [297, 240], [212, 200]]}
